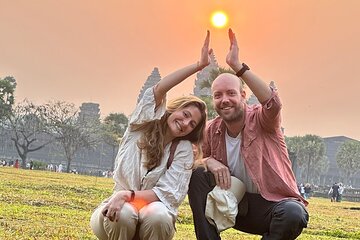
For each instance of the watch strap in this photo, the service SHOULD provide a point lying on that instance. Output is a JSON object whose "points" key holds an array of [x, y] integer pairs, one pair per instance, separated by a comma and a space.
{"points": [[242, 70]]}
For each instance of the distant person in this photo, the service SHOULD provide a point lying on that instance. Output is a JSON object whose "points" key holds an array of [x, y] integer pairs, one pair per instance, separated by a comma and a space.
{"points": [[341, 191], [154, 162], [247, 142], [16, 165], [307, 190], [334, 192], [4, 163], [50, 167], [60, 168], [302, 190], [31, 166]]}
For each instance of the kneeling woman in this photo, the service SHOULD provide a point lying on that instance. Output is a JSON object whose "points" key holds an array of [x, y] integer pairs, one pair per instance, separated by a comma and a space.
{"points": [[154, 162]]}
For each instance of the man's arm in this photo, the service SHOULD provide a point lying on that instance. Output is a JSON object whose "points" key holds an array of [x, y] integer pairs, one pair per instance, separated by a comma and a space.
{"points": [[256, 84], [220, 171]]}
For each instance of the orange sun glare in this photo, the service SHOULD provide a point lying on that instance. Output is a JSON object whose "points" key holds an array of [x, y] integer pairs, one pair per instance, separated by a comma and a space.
{"points": [[219, 19]]}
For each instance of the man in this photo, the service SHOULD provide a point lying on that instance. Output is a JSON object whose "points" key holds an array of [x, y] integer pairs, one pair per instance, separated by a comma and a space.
{"points": [[247, 142]]}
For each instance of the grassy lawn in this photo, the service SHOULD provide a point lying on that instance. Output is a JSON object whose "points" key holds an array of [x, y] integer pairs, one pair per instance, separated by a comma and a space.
{"points": [[47, 205]]}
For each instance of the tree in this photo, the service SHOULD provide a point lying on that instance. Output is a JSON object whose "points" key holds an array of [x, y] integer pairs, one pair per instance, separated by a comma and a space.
{"points": [[114, 127], [28, 129], [348, 158], [310, 155], [71, 132], [7, 99]]}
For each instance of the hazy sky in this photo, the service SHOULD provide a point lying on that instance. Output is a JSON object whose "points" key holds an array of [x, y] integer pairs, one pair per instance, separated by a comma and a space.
{"points": [[103, 51]]}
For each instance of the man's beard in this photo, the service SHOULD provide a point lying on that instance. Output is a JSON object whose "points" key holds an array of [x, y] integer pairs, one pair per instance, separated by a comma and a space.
{"points": [[235, 116]]}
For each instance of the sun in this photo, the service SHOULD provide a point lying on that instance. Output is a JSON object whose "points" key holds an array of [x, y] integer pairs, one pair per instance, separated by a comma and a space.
{"points": [[219, 19]]}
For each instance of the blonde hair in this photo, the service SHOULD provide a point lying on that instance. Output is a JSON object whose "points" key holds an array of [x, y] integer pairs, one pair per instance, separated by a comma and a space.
{"points": [[153, 133]]}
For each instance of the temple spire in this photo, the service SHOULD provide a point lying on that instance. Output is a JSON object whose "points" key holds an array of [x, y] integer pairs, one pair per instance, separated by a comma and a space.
{"points": [[153, 79]]}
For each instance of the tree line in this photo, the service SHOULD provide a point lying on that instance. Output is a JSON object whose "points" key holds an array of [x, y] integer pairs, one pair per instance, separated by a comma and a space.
{"points": [[32, 127], [60, 122]]}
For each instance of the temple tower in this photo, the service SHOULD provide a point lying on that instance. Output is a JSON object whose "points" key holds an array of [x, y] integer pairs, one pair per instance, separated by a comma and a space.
{"points": [[153, 79]]}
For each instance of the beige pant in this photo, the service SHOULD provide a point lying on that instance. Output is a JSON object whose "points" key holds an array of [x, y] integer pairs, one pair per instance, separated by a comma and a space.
{"points": [[155, 222]]}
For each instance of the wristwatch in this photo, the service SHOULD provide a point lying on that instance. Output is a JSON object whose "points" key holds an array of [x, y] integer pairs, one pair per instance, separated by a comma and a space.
{"points": [[132, 195], [242, 70]]}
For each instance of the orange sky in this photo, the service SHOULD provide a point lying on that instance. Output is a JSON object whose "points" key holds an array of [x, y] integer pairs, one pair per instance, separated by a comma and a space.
{"points": [[103, 51]]}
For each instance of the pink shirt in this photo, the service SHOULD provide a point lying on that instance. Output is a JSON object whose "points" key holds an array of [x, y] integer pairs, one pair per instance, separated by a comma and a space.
{"points": [[263, 150]]}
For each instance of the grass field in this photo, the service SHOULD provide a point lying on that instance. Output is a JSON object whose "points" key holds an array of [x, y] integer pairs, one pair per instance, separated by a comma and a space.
{"points": [[47, 205]]}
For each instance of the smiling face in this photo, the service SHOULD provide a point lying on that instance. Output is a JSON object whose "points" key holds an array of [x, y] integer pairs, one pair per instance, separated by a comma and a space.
{"points": [[184, 120], [228, 97]]}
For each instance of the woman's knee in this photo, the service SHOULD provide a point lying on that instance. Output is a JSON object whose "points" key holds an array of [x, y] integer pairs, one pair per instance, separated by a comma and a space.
{"points": [[97, 224], [156, 213], [156, 222], [102, 226]]}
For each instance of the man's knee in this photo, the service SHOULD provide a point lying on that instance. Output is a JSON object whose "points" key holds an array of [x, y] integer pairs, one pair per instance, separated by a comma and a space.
{"points": [[295, 214], [197, 174]]}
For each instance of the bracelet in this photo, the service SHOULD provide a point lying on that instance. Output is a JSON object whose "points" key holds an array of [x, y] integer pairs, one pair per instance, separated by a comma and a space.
{"points": [[242, 70], [132, 196]]}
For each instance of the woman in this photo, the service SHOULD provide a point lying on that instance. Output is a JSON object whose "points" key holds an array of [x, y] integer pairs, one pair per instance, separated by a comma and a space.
{"points": [[152, 172]]}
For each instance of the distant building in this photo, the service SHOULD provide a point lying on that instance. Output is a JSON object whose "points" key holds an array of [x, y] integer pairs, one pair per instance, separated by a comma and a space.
{"points": [[89, 112], [333, 174], [153, 79], [203, 75]]}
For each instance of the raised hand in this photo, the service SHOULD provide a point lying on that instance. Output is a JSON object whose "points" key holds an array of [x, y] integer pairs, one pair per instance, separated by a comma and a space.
{"points": [[205, 52], [232, 58]]}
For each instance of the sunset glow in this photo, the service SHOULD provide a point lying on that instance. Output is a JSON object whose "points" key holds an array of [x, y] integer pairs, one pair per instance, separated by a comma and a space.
{"points": [[219, 19]]}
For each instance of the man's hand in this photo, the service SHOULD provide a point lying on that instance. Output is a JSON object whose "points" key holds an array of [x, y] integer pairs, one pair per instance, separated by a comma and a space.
{"points": [[232, 58], [220, 171]]}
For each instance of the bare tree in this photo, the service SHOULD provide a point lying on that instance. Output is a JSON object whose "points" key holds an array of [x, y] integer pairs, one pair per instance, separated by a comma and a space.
{"points": [[71, 132], [28, 129]]}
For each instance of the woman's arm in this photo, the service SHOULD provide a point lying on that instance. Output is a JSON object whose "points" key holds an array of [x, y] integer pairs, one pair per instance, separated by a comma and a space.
{"points": [[168, 82]]}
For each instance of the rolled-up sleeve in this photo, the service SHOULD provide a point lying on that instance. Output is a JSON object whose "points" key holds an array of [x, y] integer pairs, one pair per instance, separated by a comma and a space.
{"points": [[270, 116], [172, 187], [146, 109]]}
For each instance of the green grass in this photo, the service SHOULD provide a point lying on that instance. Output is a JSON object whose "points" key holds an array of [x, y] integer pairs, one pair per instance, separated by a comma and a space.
{"points": [[47, 205]]}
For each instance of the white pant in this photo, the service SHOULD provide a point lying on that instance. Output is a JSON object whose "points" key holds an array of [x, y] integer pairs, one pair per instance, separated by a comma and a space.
{"points": [[154, 219]]}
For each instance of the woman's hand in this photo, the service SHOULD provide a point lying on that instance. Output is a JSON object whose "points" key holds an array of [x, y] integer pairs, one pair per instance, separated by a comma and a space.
{"points": [[112, 209], [205, 52], [173, 79]]}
